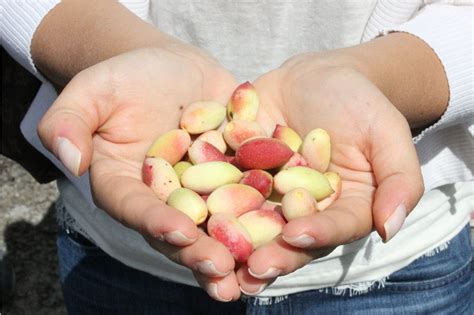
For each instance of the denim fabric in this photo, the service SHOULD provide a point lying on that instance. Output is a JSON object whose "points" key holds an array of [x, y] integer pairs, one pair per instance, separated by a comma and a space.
{"points": [[95, 283]]}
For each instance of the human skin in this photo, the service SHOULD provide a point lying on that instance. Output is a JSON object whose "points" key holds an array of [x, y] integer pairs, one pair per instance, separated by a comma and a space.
{"points": [[365, 97], [109, 112]]}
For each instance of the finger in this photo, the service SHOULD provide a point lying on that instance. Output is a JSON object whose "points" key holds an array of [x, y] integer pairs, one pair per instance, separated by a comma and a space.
{"points": [[127, 199], [398, 175], [223, 289], [275, 259], [205, 256], [67, 127], [249, 285]]}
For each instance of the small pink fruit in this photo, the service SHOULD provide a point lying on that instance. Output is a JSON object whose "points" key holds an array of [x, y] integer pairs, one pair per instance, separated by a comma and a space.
{"points": [[272, 206], [226, 228], [289, 136], [299, 176], [263, 153], [237, 131], [202, 116], [262, 225], [260, 180], [180, 167], [160, 176], [336, 184], [206, 177], [298, 203], [316, 149], [171, 146], [234, 198], [243, 103], [201, 152], [215, 138], [190, 203], [296, 160]]}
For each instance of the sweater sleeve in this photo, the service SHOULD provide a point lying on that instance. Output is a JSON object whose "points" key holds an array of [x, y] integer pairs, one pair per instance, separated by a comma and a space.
{"points": [[18, 25], [448, 30]]}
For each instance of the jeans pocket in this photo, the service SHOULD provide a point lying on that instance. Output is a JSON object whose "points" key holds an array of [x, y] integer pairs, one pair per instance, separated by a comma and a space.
{"points": [[76, 242]]}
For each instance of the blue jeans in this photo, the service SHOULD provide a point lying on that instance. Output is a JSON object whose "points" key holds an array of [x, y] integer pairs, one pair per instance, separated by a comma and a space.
{"points": [[95, 283]]}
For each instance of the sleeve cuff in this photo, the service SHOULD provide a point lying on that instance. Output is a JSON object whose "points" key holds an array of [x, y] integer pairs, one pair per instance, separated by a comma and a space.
{"points": [[19, 23], [448, 30]]}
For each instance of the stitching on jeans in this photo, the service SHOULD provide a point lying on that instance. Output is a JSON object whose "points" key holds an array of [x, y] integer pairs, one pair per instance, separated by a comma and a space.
{"points": [[431, 284]]}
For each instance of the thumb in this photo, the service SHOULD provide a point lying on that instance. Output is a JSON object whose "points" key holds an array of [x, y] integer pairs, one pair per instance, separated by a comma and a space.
{"points": [[67, 127], [397, 173]]}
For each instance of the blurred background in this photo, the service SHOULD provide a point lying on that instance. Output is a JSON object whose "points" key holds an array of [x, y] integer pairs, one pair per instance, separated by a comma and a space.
{"points": [[27, 220]]}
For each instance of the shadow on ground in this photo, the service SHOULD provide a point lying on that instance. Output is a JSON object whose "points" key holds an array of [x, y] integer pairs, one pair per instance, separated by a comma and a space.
{"points": [[31, 250]]}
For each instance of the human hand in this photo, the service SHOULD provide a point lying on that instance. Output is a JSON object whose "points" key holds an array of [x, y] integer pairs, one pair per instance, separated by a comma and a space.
{"points": [[106, 118], [372, 151]]}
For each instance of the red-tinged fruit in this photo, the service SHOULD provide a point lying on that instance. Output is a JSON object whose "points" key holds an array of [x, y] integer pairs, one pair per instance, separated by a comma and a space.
{"points": [[234, 198], [289, 136], [336, 184], [226, 228], [215, 138], [238, 131], [296, 160], [263, 153], [171, 146], [260, 180], [201, 152], [272, 206], [298, 203], [262, 225], [202, 116], [316, 149], [244, 102], [160, 176]]}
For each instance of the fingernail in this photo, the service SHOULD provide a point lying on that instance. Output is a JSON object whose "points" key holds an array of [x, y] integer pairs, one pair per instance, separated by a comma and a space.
{"points": [[260, 290], [303, 240], [269, 274], [208, 268], [69, 155], [212, 290], [395, 222], [178, 238]]}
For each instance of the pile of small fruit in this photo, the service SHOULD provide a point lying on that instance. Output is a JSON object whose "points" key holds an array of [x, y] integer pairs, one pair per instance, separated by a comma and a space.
{"points": [[240, 185]]}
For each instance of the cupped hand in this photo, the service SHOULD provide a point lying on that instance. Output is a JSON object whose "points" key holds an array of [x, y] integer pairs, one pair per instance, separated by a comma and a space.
{"points": [[372, 150], [104, 121]]}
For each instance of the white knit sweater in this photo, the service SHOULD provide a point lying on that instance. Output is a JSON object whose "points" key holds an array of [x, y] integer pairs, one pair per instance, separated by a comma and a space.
{"points": [[279, 30]]}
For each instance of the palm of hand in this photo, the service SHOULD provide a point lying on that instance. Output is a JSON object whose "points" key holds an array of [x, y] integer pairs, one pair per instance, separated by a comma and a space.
{"points": [[364, 129]]}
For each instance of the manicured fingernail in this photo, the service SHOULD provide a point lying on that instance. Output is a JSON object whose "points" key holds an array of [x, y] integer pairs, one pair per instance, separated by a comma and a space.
{"points": [[395, 222], [69, 155], [178, 238], [269, 274], [212, 290], [258, 291], [303, 240], [208, 268]]}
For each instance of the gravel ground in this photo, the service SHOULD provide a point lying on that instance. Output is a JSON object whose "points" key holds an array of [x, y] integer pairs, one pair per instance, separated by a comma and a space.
{"points": [[27, 234]]}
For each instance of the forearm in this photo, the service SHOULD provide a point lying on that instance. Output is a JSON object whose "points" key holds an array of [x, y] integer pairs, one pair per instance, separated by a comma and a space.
{"points": [[408, 72], [77, 34]]}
